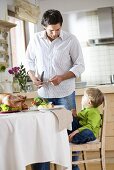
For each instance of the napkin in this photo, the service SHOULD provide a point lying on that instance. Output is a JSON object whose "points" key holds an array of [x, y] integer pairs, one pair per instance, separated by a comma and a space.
{"points": [[64, 117]]}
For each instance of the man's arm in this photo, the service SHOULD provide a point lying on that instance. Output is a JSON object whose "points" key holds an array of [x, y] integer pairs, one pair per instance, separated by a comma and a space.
{"points": [[68, 75], [77, 58], [56, 80]]}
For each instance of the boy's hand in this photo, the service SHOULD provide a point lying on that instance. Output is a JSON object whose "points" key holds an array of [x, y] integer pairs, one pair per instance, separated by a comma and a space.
{"points": [[73, 134], [74, 112]]}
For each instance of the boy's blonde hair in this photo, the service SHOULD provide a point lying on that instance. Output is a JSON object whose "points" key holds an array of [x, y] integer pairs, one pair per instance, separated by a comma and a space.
{"points": [[96, 96]]}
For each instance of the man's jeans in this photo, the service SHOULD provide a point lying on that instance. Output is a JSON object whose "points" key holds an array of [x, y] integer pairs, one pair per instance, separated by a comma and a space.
{"points": [[41, 166], [69, 103]]}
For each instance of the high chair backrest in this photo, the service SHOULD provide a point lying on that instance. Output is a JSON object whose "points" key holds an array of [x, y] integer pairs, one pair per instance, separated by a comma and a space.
{"points": [[103, 125]]}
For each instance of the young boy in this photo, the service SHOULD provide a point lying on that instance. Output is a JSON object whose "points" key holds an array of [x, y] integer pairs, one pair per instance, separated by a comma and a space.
{"points": [[86, 124]]}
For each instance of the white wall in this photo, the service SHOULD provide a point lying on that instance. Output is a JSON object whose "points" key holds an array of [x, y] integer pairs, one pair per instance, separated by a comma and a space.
{"points": [[99, 60]]}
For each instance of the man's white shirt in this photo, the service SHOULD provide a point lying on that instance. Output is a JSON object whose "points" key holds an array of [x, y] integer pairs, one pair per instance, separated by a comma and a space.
{"points": [[55, 58]]}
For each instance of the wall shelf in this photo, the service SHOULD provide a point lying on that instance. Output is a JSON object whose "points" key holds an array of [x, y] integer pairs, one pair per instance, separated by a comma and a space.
{"points": [[5, 27], [6, 24]]}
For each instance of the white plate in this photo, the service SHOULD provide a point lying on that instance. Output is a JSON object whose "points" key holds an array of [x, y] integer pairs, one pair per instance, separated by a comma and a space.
{"points": [[53, 108], [30, 110], [4, 114]]}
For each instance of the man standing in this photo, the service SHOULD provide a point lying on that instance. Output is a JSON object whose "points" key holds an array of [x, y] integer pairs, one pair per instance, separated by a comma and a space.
{"points": [[57, 54]]}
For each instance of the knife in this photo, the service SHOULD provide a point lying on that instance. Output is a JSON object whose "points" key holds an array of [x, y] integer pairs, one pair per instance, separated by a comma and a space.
{"points": [[42, 76]]}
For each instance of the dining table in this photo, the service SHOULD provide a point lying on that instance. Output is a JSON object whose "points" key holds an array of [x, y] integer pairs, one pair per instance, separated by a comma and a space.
{"points": [[29, 137]]}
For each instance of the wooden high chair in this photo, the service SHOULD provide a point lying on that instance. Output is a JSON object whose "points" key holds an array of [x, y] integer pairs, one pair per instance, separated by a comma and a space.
{"points": [[97, 145]]}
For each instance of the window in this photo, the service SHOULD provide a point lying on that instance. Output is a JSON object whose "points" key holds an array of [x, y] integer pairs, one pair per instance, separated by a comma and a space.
{"points": [[31, 29], [17, 41], [19, 38]]}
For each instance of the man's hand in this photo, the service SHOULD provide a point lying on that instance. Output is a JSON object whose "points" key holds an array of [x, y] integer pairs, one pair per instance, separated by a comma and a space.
{"points": [[56, 80], [73, 134], [36, 81]]}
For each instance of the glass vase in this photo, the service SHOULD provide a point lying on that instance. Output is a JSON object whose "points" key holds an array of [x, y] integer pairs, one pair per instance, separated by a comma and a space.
{"points": [[23, 86], [16, 87]]}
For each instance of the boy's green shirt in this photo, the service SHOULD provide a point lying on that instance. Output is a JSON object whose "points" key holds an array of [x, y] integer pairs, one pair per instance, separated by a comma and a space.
{"points": [[89, 118]]}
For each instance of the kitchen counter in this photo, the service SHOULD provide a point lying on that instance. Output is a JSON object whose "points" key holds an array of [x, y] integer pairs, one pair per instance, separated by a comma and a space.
{"points": [[29, 95], [104, 88], [79, 91]]}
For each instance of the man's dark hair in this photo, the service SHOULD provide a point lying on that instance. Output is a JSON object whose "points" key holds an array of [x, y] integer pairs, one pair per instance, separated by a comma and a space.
{"points": [[51, 17]]}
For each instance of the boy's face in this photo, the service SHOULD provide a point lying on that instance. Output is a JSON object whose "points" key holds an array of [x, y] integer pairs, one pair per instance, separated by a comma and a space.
{"points": [[85, 100]]}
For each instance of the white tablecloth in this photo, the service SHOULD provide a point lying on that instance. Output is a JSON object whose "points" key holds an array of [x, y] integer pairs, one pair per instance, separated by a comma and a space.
{"points": [[32, 137]]}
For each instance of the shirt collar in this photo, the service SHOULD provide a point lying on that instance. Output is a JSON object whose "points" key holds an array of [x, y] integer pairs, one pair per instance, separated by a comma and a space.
{"points": [[43, 34], [61, 34]]}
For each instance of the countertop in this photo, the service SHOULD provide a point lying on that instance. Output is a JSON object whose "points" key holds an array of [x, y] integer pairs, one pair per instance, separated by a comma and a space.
{"points": [[29, 95], [104, 88], [79, 91]]}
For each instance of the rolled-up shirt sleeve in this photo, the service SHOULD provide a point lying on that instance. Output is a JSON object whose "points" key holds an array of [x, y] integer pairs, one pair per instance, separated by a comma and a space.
{"points": [[77, 58]]}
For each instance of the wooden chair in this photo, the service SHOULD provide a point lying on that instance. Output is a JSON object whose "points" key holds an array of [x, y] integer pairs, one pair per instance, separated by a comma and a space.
{"points": [[97, 145]]}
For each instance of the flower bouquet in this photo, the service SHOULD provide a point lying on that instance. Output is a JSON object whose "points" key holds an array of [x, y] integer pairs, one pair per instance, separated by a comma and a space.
{"points": [[20, 75]]}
